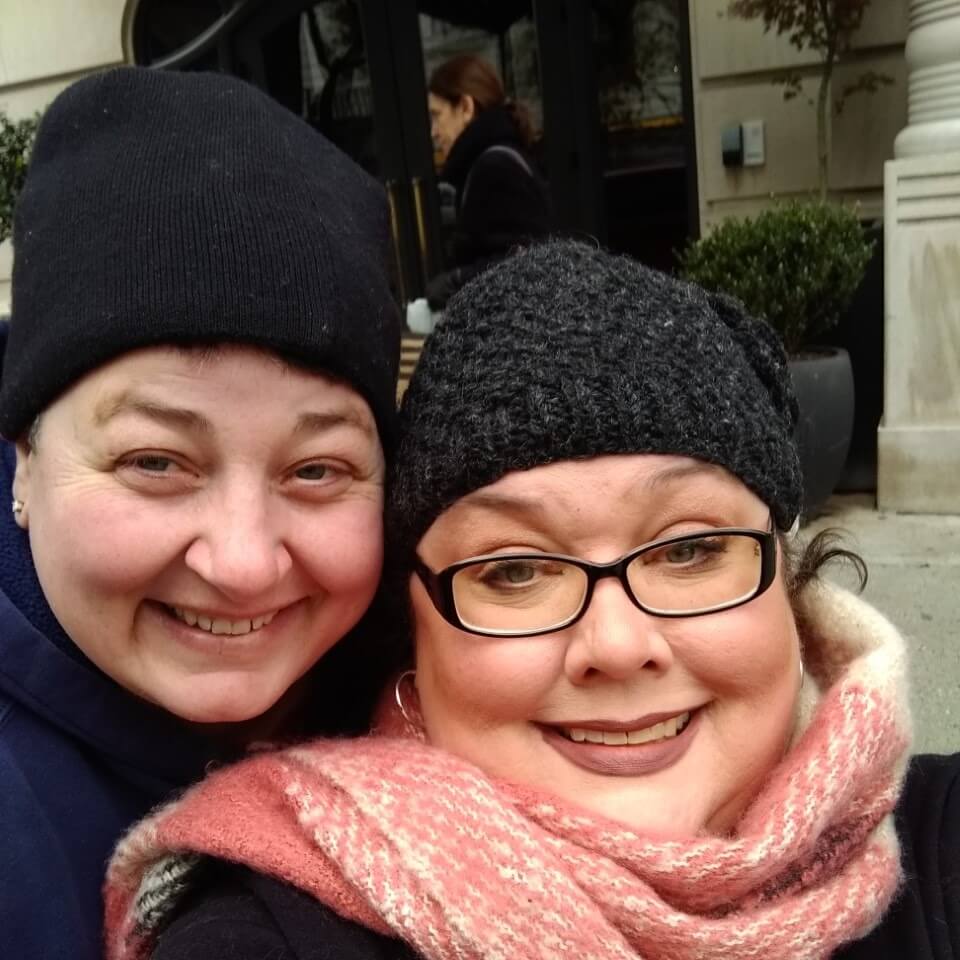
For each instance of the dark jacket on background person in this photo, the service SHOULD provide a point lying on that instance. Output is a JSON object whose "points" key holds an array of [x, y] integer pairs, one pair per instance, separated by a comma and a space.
{"points": [[501, 200], [234, 912], [80, 761]]}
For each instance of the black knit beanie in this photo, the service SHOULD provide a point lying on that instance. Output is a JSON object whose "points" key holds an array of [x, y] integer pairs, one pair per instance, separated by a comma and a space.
{"points": [[566, 352], [179, 208]]}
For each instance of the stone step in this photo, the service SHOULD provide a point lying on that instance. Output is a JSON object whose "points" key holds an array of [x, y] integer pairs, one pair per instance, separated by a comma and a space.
{"points": [[410, 346]]}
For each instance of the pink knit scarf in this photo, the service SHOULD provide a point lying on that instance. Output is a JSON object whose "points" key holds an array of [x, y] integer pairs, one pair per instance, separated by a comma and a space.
{"points": [[412, 842]]}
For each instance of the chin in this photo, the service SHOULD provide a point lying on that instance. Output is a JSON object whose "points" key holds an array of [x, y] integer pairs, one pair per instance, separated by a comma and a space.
{"points": [[219, 702], [668, 823], [670, 804]]}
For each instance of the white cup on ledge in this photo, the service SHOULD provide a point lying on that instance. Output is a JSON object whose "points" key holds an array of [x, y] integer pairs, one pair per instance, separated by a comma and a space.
{"points": [[419, 316]]}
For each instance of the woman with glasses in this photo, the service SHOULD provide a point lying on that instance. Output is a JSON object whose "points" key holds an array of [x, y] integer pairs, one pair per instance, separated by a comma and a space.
{"points": [[635, 723]]}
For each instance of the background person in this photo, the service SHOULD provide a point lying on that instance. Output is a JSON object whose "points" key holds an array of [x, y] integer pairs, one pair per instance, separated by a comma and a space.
{"points": [[484, 139], [198, 388], [640, 724]]}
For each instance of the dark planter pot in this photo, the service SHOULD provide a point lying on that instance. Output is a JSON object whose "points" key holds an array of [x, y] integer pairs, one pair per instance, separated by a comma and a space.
{"points": [[823, 380], [860, 333]]}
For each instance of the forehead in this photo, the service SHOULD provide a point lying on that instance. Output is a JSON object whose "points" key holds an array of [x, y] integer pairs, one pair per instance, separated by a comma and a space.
{"points": [[633, 474], [205, 375], [604, 490]]}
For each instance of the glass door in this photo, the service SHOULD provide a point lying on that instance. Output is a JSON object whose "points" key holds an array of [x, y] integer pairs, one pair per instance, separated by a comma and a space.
{"points": [[644, 126], [619, 121], [604, 82], [331, 62], [504, 36]]}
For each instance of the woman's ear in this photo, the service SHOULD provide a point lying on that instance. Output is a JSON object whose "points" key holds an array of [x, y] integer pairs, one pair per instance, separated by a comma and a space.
{"points": [[468, 108], [21, 484]]}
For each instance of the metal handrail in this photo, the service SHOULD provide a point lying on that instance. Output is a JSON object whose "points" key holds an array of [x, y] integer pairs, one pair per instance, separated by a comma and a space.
{"points": [[206, 40]]}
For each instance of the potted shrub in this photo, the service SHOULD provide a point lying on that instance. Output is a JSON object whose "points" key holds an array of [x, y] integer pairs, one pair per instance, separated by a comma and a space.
{"points": [[16, 139], [797, 265]]}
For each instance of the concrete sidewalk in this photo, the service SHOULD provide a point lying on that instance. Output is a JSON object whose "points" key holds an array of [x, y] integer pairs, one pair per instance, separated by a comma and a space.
{"points": [[914, 564]]}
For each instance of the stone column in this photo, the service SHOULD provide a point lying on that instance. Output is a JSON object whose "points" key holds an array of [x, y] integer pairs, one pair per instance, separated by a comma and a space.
{"points": [[918, 466], [933, 60]]}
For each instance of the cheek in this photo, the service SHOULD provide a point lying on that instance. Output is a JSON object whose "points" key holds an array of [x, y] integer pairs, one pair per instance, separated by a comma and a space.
{"points": [[342, 546], [101, 542], [479, 681], [746, 652]]}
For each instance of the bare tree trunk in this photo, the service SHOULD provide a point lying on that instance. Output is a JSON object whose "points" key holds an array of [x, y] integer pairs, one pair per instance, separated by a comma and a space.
{"points": [[823, 118], [823, 98]]}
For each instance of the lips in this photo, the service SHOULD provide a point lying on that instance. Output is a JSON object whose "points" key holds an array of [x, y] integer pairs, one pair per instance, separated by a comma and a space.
{"points": [[626, 750]]}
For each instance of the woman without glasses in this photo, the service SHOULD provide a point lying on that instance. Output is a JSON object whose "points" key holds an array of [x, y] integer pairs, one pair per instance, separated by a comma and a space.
{"points": [[638, 725], [198, 386], [484, 140]]}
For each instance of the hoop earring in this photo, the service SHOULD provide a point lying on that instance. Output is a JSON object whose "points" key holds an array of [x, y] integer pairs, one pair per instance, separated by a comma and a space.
{"points": [[801, 672], [16, 507], [398, 695]]}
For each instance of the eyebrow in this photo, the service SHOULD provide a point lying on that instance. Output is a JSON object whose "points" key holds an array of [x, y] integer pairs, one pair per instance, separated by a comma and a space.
{"points": [[682, 471], [126, 402], [321, 422], [129, 403], [506, 502]]}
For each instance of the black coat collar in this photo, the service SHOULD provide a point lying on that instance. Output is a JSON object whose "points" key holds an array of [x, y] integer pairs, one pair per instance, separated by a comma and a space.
{"points": [[489, 128]]}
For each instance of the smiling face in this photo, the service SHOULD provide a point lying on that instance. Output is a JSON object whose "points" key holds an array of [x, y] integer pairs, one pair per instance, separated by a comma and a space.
{"points": [[205, 525], [517, 707], [448, 120]]}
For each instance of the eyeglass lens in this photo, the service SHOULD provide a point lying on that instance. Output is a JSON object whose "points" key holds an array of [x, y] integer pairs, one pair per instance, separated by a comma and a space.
{"points": [[697, 574]]}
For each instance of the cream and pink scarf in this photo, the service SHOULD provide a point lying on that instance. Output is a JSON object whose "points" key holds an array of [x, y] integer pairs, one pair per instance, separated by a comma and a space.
{"points": [[414, 843]]}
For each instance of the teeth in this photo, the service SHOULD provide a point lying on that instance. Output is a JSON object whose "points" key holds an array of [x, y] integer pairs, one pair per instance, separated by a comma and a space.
{"points": [[615, 738], [221, 626]]}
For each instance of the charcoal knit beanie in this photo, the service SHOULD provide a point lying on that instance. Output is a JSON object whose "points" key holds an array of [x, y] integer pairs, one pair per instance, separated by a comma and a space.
{"points": [[181, 208], [566, 352]]}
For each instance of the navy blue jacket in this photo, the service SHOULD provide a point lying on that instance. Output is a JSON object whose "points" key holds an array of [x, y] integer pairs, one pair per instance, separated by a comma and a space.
{"points": [[80, 761]]}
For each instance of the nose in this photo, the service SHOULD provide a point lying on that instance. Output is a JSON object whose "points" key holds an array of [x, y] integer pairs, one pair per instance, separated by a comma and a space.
{"points": [[240, 549], [615, 639]]}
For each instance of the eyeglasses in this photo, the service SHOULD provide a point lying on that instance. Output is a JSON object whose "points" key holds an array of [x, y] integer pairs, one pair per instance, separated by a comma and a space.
{"points": [[527, 594]]}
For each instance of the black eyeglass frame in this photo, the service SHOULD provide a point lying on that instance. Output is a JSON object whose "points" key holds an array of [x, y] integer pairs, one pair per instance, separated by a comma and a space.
{"points": [[439, 584]]}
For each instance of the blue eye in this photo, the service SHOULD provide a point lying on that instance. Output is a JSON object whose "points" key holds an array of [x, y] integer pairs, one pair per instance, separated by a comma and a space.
{"points": [[512, 571], [313, 471], [682, 552], [152, 463]]}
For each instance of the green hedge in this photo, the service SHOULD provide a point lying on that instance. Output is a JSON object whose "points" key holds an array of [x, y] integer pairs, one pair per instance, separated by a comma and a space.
{"points": [[797, 265], [16, 139]]}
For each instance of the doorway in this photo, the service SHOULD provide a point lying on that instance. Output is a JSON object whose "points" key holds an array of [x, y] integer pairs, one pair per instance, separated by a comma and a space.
{"points": [[605, 82]]}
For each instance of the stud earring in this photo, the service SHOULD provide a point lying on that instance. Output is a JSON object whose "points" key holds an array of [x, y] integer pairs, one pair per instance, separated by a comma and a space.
{"points": [[16, 506], [398, 695]]}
